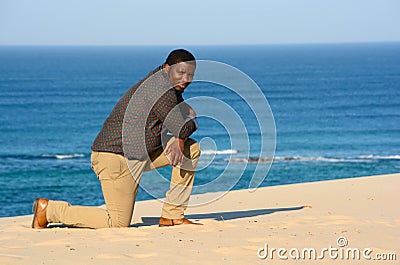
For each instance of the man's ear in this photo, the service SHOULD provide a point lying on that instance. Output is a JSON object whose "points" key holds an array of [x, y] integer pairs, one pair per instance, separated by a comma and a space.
{"points": [[166, 67]]}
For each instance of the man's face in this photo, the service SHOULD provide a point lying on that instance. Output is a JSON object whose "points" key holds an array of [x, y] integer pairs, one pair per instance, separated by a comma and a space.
{"points": [[180, 74]]}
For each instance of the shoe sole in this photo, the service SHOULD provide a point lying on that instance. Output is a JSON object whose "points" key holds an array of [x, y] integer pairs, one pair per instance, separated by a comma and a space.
{"points": [[34, 210], [173, 224]]}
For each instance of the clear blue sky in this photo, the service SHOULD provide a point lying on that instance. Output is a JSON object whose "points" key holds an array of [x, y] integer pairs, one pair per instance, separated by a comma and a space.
{"points": [[156, 22]]}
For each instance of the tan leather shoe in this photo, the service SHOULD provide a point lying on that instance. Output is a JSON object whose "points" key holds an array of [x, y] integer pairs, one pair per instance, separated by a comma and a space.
{"points": [[171, 222], [39, 209]]}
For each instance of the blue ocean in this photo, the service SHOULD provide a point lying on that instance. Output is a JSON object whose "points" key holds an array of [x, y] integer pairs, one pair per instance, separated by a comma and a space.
{"points": [[336, 109]]}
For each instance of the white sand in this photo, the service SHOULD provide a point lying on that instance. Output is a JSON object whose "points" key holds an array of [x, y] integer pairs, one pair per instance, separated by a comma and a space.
{"points": [[363, 210]]}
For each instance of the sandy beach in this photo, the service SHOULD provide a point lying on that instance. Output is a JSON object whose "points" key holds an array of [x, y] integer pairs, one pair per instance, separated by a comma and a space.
{"points": [[349, 215]]}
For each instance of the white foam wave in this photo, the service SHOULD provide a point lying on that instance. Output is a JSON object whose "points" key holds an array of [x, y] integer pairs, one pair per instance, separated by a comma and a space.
{"points": [[63, 156], [315, 158], [364, 159], [219, 152], [395, 157]]}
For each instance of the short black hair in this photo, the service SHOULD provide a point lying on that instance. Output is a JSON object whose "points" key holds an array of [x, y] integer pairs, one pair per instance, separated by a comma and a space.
{"points": [[179, 56]]}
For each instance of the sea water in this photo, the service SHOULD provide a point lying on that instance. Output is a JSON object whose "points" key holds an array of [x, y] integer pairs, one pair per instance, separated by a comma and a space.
{"points": [[336, 108]]}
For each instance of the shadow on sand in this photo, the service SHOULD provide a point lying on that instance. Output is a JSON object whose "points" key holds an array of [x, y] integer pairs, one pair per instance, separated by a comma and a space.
{"points": [[221, 216], [218, 216]]}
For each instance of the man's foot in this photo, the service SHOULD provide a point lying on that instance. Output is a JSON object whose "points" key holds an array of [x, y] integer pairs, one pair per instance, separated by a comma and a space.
{"points": [[39, 209], [172, 222]]}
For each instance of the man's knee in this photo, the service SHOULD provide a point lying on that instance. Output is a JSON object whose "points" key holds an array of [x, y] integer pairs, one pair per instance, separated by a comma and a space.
{"points": [[118, 221], [119, 224]]}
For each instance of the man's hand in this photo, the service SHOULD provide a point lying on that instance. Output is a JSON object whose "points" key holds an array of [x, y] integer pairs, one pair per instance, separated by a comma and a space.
{"points": [[175, 150]]}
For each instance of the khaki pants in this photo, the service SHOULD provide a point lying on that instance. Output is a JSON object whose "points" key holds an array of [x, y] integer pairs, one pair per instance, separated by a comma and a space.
{"points": [[120, 180]]}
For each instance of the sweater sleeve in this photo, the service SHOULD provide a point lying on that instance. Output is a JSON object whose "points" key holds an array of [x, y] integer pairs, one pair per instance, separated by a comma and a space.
{"points": [[172, 115]]}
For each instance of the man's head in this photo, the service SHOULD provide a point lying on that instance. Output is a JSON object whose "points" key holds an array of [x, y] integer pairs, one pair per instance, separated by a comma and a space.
{"points": [[180, 66]]}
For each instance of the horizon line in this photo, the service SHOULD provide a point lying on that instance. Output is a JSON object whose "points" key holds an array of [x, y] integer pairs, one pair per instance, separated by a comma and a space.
{"points": [[196, 45]]}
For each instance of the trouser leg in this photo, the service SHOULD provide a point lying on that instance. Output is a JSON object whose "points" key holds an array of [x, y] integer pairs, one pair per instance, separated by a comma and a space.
{"points": [[78, 216], [119, 184], [182, 178]]}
